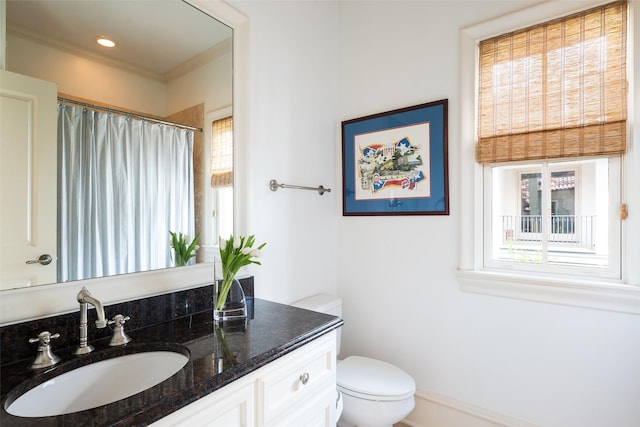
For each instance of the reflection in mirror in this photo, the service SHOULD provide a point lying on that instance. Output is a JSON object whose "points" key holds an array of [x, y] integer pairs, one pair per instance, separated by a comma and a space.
{"points": [[124, 184], [171, 62]]}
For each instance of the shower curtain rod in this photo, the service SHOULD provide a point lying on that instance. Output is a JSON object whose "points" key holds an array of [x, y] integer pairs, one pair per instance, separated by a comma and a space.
{"points": [[125, 113]]}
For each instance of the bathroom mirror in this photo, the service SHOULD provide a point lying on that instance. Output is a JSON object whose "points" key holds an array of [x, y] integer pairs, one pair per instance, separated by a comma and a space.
{"points": [[159, 42]]}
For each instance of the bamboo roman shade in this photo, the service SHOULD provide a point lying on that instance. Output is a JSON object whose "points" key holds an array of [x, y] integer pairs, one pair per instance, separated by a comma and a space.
{"points": [[222, 152], [557, 89]]}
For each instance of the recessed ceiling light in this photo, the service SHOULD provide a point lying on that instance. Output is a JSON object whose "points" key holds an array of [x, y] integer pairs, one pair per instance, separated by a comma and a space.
{"points": [[103, 41]]}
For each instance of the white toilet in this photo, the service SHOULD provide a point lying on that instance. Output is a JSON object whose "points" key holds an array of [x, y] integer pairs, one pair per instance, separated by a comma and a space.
{"points": [[372, 393]]}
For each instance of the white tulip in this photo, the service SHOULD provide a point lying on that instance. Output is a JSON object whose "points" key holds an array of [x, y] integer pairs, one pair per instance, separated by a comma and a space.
{"points": [[223, 244], [256, 253], [245, 251], [236, 243]]}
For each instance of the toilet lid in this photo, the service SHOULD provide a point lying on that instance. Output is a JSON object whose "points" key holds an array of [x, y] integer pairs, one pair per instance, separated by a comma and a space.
{"points": [[374, 379]]}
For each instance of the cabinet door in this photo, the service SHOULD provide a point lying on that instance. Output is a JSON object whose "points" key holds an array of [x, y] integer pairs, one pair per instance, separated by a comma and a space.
{"points": [[28, 179], [297, 378], [318, 412], [231, 406]]}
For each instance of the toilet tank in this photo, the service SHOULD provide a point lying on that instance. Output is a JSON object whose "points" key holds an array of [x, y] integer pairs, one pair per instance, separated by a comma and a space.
{"points": [[323, 303]]}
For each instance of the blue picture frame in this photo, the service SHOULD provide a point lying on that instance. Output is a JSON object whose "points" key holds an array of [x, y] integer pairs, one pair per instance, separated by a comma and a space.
{"points": [[396, 162]]}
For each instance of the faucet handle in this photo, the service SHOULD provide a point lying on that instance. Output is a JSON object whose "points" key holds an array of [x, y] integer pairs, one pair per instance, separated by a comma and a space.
{"points": [[119, 320], [119, 337], [45, 357], [44, 338]]}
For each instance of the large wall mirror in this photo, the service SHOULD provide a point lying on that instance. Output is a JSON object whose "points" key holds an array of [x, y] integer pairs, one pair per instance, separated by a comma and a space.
{"points": [[172, 61]]}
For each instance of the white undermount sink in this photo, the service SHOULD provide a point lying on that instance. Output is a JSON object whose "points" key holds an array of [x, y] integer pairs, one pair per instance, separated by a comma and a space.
{"points": [[98, 384]]}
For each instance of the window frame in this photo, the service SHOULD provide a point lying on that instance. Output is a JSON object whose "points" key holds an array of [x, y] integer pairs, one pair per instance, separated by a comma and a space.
{"points": [[621, 295]]}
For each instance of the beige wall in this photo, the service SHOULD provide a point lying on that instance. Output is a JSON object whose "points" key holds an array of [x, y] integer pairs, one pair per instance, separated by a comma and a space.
{"points": [[86, 78]]}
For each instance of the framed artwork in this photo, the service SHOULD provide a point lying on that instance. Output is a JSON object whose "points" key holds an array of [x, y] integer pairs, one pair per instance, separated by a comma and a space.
{"points": [[395, 163]]}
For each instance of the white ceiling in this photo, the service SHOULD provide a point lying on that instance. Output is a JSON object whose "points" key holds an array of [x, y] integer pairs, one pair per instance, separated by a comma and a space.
{"points": [[152, 35]]}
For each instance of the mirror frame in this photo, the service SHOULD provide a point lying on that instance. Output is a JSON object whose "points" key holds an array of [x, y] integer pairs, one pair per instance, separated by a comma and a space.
{"points": [[19, 305]]}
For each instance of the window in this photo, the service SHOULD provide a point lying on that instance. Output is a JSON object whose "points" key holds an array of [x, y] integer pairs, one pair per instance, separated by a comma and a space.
{"points": [[556, 91], [544, 160], [553, 217], [222, 176]]}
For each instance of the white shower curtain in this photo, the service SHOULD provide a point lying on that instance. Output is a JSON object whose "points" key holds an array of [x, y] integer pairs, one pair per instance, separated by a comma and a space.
{"points": [[123, 184]]}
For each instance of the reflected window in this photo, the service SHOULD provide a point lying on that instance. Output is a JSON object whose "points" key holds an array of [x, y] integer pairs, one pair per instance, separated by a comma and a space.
{"points": [[222, 176]]}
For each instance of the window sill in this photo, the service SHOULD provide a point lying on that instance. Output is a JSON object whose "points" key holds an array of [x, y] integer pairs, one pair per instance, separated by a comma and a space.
{"points": [[601, 295]]}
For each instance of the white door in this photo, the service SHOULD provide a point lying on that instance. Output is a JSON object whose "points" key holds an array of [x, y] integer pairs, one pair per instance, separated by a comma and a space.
{"points": [[28, 180]]}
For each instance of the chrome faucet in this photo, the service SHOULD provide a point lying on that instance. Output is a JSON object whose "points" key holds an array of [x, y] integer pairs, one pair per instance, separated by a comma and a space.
{"points": [[84, 298]]}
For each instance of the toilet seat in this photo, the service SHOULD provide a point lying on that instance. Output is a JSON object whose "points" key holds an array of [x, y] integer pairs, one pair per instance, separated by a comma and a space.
{"points": [[373, 379]]}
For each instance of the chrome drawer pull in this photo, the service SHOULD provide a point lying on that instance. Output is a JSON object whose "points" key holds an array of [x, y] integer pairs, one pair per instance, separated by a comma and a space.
{"points": [[304, 378]]}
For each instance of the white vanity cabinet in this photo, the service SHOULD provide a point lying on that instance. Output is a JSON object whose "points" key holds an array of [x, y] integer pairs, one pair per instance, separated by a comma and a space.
{"points": [[298, 389]]}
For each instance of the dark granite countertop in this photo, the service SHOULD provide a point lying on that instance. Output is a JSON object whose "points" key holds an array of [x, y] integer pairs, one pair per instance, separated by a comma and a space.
{"points": [[272, 331]]}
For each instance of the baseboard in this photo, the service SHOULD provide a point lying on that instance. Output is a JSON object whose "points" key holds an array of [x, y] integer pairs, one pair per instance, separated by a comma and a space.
{"points": [[435, 410]]}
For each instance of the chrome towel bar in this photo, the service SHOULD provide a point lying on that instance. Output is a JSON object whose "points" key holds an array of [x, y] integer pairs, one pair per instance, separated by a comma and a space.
{"points": [[274, 185]]}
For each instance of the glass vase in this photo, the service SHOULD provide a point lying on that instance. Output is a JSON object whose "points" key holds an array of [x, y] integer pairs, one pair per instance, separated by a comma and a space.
{"points": [[234, 307]]}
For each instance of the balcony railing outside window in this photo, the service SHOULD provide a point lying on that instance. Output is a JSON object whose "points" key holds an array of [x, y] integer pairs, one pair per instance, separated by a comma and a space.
{"points": [[569, 231]]}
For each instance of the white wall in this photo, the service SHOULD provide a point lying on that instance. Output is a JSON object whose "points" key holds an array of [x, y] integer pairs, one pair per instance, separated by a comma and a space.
{"points": [[292, 120], [548, 365]]}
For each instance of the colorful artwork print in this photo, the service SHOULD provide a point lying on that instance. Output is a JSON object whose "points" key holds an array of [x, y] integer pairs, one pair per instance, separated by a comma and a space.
{"points": [[393, 163]]}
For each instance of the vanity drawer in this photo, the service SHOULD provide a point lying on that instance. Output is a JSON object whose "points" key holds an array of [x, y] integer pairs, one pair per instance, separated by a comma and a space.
{"points": [[297, 378]]}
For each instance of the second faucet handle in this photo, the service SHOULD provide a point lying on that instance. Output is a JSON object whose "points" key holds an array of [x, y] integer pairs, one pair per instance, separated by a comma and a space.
{"points": [[119, 337], [45, 357]]}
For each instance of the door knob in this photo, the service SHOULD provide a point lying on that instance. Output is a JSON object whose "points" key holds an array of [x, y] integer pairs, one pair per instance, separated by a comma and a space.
{"points": [[44, 260]]}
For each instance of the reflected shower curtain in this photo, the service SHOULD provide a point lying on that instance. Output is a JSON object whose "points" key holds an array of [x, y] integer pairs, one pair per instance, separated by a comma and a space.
{"points": [[123, 184]]}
